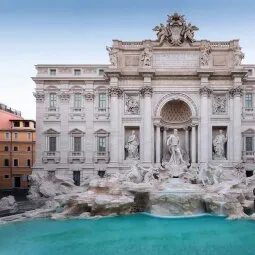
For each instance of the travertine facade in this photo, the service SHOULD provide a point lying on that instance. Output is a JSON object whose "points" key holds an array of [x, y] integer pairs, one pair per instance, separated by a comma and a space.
{"points": [[94, 118]]}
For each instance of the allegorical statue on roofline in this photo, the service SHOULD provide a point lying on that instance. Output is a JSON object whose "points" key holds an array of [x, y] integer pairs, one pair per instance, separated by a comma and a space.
{"points": [[176, 31]]}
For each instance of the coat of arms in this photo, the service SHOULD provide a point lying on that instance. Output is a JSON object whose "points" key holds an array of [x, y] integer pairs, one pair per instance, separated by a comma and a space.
{"points": [[176, 31]]}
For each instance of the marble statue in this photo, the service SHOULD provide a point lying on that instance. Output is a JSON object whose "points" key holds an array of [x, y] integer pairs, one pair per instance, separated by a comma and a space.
{"points": [[173, 144], [205, 55], [176, 31], [209, 174], [218, 145], [132, 105], [135, 174], [113, 55], [238, 56], [132, 146], [146, 57]]}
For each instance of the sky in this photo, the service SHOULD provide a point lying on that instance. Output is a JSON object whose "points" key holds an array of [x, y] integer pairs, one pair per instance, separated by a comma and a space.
{"points": [[77, 31]]}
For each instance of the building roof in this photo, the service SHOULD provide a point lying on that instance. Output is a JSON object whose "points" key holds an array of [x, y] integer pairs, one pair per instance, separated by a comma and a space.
{"points": [[5, 118]]}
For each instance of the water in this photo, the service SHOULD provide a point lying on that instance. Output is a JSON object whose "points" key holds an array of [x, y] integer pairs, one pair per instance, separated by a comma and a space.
{"points": [[129, 235]]}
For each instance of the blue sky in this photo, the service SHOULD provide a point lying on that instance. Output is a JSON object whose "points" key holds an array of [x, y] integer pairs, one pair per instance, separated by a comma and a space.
{"points": [[76, 31]]}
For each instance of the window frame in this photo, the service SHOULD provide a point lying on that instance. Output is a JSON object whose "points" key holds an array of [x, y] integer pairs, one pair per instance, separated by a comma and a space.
{"points": [[52, 101], [102, 103], [52, 71], [248, 101], [77, 101], [16, 135], [15, 165], [77, 72], [7, 135], [6, 162]]}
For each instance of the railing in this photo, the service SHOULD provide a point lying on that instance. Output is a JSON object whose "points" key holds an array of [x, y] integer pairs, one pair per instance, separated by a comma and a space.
{"points": [[52, 109], [249, 109], [51, 156], [77, 109], [76, 156], [248, 155], [102, 156]]}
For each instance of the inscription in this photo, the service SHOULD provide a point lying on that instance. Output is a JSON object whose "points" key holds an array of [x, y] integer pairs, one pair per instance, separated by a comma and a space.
{"points": [[132, 60], [176, 59]]}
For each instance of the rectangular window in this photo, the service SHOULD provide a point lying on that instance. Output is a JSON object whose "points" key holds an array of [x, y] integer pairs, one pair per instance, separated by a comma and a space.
{"points": [[16, 124], [102, 101], [77, 144], [52, 143], [6, 177], [6, 162], [26, 123], [15, 148], [77, 72], [28, 148], [102, 144], [248, 100], [16, 135], [249, 144], [77, 100], [6, 148], [53, 72], [7, 135], [28, 162], [29, 135], [101, 72], [15, 162], [53, 101]]}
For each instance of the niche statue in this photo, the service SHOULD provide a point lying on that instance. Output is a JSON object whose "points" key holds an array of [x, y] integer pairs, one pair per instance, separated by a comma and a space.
{"points": [[132, 146], [218, 146]]}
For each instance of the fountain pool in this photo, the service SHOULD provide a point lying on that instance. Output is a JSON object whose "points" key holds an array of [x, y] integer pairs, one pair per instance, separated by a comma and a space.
{"points": [[124, 235]]}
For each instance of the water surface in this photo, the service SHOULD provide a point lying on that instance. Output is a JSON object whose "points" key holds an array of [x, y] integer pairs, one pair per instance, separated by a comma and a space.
{"points": [[129, 235]]}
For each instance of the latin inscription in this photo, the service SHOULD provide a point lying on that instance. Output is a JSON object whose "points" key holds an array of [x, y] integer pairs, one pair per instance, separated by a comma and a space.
{"points": [[176, 59]]}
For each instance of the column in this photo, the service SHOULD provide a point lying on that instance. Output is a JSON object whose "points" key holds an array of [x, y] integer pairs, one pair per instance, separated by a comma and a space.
{"points": [[205, 92], [89, 141], [146, 93], [193, 144], [158, 144], [115, 92], [236, 93], [164, 143], [186, 140]]}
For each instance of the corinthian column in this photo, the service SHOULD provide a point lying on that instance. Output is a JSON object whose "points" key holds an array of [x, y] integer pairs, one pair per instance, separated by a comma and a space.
{"points": [[146, 93], [115, 92], [236, 94], [205, 92]]}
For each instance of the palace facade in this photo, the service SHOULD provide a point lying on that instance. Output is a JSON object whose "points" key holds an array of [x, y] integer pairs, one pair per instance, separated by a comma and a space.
{"points": [[97, 118]]}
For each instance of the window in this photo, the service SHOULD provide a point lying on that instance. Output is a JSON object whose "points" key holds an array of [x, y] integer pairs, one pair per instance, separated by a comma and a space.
{"points": [[101, 72], [16, 135], [6, 176], [26, 123], [15, 162], [102, 144], [16, 124], [249, 72], [15, 148], [77, 72], [77, 100], [53, 72], [52, 143], [28, 162], [28, 148], [77, 144], [102, 101], [6, 148], [6, 162], [53, 101], [249, 144], [29, 135], [7, 135], [248, 100]]}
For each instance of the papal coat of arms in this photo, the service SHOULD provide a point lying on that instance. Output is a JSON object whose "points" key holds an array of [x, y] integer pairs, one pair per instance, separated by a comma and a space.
{"points": [[176, 31]]}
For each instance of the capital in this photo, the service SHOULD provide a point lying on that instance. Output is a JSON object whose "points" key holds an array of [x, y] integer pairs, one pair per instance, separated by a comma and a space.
{"points": [[205, 91], [237, 91], [39, 96], [115, 91], [146, 91]]}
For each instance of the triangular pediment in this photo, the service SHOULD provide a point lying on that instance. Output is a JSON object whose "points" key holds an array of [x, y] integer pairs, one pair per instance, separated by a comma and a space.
{"points": [[51, 131], [101, 131], [76, 131], [249, 131]]}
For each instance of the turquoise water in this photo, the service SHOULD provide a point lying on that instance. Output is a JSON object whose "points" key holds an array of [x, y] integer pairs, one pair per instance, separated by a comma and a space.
{"points": [[129, 235]]}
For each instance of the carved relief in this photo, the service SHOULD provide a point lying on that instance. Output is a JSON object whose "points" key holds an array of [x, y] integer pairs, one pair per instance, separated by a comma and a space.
{"points": [[39, 96], [237, 91], [205, 91], [146, 58], [89, 96], [131, 60], [89, 70], [176, 31], [115, 91], [132, 104], [113, 55], [219, 104], [146, 91], [65, 70], [64, 97]]}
